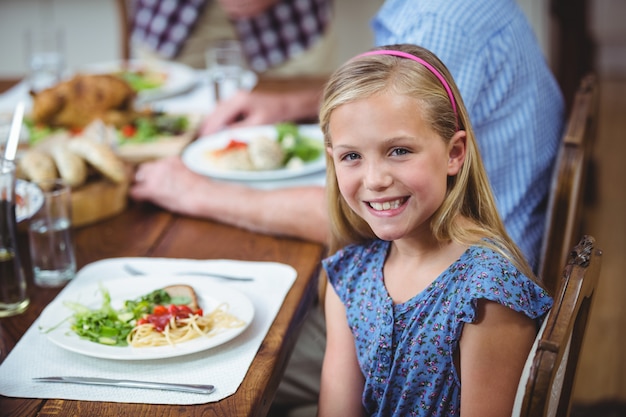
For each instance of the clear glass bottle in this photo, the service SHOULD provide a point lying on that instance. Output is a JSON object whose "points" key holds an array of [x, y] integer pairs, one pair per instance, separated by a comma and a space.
{"points": [[13, 295]]}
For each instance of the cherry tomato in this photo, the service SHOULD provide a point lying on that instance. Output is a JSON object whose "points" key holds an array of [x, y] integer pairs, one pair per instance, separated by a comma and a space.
{"points": [[159, 310], [129, 131]]}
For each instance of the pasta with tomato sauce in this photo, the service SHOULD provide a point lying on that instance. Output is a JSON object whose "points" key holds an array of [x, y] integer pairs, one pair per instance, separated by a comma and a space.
{"points": [[177, 324]]}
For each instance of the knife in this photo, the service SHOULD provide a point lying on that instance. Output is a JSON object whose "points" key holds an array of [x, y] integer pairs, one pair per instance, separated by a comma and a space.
{"points": [[14, 133], [127, 383]]}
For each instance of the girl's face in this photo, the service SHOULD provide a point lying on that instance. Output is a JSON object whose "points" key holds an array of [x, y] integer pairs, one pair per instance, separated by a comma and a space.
{"points": [[391, 167]]}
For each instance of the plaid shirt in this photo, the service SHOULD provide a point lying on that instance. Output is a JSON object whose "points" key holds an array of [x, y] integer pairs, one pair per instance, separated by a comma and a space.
{"points": [[269, 39]]}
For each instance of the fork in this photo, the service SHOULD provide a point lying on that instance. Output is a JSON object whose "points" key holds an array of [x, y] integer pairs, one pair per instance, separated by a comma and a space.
{"points": [[134, 271]]}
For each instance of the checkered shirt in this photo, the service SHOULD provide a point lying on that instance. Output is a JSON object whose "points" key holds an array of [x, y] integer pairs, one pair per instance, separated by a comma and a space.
{"points": [[269, 39]]}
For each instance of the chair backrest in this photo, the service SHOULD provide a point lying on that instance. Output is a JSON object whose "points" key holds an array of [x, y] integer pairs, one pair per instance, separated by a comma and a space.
{"points": [[563, 218], [547, 381]]}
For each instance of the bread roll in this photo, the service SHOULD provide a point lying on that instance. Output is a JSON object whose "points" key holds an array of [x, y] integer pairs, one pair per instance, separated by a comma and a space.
{"points": [[71, 168], [186, 291], [100, 156], [37, 166]]}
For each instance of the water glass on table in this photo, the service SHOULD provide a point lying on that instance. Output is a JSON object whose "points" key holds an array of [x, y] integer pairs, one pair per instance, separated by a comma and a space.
{"points": [[50, 237], [225, 65], [46, 58], [13, 296]]}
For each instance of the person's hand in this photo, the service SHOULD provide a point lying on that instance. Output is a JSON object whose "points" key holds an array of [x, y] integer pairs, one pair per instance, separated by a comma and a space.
{"points": [[247, 108], [166, 182], [242, 9]]}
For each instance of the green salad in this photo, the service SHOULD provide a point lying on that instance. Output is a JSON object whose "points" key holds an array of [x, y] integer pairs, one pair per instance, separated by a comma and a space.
{"points": [[297, 146], [140, 80], [108, 326]]}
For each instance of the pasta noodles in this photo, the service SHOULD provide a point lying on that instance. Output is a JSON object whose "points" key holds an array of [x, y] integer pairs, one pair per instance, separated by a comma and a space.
{"points": [[179, 330]]}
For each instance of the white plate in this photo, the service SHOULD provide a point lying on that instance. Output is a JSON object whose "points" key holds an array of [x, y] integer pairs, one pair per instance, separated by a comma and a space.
{"points": [[210, 295], [196, 159], [31, 199], [180, 77]]}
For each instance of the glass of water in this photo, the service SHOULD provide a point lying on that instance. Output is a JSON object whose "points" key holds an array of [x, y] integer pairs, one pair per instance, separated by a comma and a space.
{"points": [[50, 236], [46, 58], [225, 64]]}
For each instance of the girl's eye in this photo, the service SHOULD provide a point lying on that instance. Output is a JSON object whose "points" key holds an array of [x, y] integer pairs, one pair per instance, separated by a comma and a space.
{"points": [[399, 151], [350, 156]]}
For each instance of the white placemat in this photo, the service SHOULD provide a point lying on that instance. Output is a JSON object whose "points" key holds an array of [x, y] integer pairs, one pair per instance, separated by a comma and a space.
{"points": [[223, 366]]}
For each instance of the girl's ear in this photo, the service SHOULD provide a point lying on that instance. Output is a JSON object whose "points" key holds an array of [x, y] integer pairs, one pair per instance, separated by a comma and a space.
{"points": [[456, 152]]}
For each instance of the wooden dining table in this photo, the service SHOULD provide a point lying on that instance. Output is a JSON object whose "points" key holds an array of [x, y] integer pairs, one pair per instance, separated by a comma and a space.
{"points": [[144, 230]]}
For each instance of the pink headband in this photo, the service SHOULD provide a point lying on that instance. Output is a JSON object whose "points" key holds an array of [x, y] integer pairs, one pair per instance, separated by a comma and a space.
{"points": [[424, 63]]}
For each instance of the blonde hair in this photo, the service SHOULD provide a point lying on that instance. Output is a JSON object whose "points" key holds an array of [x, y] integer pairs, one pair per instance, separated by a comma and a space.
{"points": [[468, 193]]}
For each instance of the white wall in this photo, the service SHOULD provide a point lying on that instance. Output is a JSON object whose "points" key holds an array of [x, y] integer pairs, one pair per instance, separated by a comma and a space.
{"points": [[90, 30], [355, 34]]}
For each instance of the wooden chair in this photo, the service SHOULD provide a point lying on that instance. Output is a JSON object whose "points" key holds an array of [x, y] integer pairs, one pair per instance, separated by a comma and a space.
{"points": [[547, 381], [563, 219]]}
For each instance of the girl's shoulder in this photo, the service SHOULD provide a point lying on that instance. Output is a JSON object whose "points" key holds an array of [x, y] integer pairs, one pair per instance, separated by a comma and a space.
{"points": [[483, 273], [353, 261]]}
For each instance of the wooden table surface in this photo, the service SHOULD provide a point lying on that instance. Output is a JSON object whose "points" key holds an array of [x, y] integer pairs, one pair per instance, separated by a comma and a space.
{"points": [[145, 230]]}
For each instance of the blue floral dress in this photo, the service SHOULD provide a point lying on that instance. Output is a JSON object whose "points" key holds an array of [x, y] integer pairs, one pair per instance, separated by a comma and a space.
{"points": [[405, 351]]}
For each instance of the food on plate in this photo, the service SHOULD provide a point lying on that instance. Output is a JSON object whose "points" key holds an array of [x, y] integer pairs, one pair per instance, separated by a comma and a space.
{"points": [[290, 149], [75, 103], [72, 158], [165, 316], [150, 126], [266, 153], [135, 134], [142, 79]]}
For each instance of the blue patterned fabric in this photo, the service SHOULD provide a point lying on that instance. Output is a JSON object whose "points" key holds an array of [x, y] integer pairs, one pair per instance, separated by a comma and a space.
{"points": [[405, 351], [514, 102]]}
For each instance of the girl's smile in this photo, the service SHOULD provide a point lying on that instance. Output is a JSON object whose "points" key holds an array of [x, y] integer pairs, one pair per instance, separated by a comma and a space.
{"points": [[387, 205]]}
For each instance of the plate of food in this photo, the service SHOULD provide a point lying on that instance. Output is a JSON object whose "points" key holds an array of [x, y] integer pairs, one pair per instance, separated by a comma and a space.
{"points": [[151, 79], [147, 317], [258, 153]]}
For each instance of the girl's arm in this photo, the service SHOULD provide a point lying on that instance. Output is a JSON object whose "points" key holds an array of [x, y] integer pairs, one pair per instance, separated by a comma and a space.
{"points": [[342, 381], [493, 351]]}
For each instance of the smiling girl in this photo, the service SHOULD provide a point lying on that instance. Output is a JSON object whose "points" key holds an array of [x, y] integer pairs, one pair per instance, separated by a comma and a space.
{"points": [[432, 309]]}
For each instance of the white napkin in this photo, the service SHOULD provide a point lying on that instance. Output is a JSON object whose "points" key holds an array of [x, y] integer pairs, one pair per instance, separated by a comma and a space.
{"points": [[223, 366]]}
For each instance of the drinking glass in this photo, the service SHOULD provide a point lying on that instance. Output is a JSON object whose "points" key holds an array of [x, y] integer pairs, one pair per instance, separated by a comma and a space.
{"points": [[13, 296], [50, 236], [46, 58], [225, 64]]}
